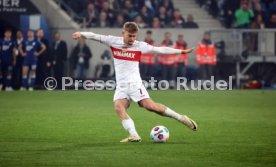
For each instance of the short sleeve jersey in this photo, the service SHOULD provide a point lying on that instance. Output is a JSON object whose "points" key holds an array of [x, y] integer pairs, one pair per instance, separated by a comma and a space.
{"points": [[31, 46], [7, 50]]}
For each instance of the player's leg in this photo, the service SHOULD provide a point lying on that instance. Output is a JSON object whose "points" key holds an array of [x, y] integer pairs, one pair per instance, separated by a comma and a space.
{"points": [[8, 78], [25, 71], [120, 107], [1, 81], [1, 76], [33, 77], [163, 110]]}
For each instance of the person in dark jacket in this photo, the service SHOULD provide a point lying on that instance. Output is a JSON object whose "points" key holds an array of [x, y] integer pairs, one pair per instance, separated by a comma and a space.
{"points": [[41, 61], [229, 12], [80, 57], [59, 56]]}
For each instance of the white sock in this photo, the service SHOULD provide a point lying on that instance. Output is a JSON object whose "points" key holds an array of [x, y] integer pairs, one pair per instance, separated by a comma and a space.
{"points": [[128, 124], [170, 113]]}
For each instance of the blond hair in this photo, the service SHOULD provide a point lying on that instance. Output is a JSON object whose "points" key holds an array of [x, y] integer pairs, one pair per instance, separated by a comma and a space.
{"points": [[131, 27]]}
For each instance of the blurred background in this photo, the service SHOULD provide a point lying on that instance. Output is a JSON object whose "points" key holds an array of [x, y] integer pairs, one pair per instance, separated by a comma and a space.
{"points": [[231, 38]]}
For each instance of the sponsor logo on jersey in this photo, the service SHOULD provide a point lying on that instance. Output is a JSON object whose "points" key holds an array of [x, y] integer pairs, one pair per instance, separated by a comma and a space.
{"points": [[29, 47], [124, 54], [5, 47]]}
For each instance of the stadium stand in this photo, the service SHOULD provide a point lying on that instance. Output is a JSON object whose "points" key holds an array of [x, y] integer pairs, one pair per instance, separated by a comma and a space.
{"points": [[226, 11], [88, 13], [238, 50]]}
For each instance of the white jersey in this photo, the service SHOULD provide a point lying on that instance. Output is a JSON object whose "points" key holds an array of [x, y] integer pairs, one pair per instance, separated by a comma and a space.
{"points": [[126, 58]]}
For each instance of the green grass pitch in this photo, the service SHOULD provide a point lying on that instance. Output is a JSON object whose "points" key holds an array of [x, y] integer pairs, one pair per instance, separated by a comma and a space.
{"points": [[80, 128]]}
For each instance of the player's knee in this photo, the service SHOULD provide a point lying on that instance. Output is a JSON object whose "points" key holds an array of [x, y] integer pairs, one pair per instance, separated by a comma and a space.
{"points": [[118, 108], [149, 106]]}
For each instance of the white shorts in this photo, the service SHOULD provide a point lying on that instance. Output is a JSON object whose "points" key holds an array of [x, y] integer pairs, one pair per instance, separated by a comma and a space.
{"points": [[133, 91]]}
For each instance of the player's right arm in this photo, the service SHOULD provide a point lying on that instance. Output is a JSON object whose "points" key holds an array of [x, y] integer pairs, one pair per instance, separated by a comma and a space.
{"points": [[91, 36]]}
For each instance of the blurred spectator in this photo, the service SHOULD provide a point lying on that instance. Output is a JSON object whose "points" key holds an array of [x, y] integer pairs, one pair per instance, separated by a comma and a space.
{"points": [[265, 9], [105, 67], [91, 15], [272, 24], [153, 5], [214, 10], [181, 59], [258, 23], [243, 16], [103, 22], [109, 12], [30, 49], [138, 4], [206, 57], [97, 3], [167, 61], [272, 6], [156, 23], [59, 56], [119, 4], [164, 18], [128, 11], [168, 5], [7, 60], [257, 8], [272, 21], [258, 11], [147, 60], [42, 59], [80, 58], [119, 21], [146, 15], [190, 22], [140, 22], [229, 11], [17, 71], [177, 19]]}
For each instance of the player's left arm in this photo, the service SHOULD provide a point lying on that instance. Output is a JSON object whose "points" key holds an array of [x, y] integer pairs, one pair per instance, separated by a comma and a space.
{"points": [[168, 50], [147, 48]]}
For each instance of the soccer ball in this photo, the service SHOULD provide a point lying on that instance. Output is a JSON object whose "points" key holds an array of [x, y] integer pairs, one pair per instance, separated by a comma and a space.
{"points": [[159, 134]]}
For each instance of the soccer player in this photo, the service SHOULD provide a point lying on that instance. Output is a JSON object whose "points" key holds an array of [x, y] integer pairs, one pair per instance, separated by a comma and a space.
{"points": [[17, 70], [7, 60], [126, 52], [29, 49]]}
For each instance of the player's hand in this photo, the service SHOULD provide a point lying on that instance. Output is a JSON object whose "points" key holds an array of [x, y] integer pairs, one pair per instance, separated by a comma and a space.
{"points": [[36, 54], [24, 55], [76, 35], [188, 50], [13, 62], [48, 64]]}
